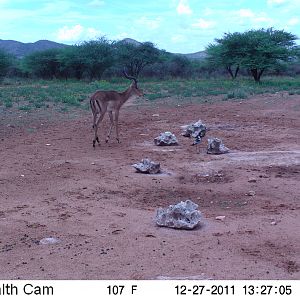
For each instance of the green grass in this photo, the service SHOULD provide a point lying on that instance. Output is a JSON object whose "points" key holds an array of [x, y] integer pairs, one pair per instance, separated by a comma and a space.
{"points": [[29, 95]]}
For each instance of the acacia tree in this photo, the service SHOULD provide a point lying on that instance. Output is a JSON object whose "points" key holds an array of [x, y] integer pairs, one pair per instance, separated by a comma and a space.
{"points": [[266, 49], [226, 53], [136, 57], [5, 62], [43, 64], [179, 66], [256, 50], [71, 62], [96, 56]]}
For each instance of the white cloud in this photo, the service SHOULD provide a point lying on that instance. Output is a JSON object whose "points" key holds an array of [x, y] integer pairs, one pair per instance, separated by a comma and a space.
{"points": [[293, 21], [246, 13], [208, 11], [183, 8], [96, 3], [204, 24], [77, 33], [149, 23], [276, 2], [247, 17], [69, 34]]}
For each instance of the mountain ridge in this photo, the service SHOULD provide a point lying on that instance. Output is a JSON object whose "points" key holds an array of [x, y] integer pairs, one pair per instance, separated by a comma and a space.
{"points": [[20, 49]]}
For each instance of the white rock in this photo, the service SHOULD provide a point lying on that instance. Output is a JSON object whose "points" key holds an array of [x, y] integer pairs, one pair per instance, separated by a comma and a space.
{"points": [[166, 139], [215, 146], [49, 241], [220, 218], [183, 215], [147, 166], [194, 129], [251, 193]]}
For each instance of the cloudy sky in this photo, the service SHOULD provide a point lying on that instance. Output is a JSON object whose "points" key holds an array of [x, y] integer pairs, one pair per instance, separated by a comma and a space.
{"points": [[182, 26]]}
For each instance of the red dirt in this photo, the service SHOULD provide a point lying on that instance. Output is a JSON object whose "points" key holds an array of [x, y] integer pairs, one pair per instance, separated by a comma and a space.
{"points": [[103, 212]]}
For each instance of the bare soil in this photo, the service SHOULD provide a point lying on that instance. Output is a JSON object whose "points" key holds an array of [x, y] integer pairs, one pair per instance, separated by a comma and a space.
{"points": [[54, 184]]}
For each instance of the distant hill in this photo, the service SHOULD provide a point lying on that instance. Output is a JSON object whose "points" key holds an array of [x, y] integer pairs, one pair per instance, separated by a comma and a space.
{"points": [[130, 41], [19, 49], [194, 56]]}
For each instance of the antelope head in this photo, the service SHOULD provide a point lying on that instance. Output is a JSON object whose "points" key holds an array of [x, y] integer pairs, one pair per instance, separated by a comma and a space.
{"points": [[135, 90]]}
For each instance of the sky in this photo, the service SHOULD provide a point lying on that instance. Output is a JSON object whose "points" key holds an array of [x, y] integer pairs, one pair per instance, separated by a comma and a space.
{"points": [[178, 26]]}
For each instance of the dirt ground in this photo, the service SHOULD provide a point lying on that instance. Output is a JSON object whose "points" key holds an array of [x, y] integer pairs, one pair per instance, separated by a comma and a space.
{"points": [[54, 184]]}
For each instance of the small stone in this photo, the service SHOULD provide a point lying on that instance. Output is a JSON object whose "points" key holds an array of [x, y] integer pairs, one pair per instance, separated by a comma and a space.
{"points": [[251, 193], [252, 179], [49, 241], [274, 223], [220, 218]]}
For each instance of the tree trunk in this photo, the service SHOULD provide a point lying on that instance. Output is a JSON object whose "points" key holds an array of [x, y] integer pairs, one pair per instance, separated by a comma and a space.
{"points": [[228, 68], [233, 76], [260, 73], [256, 73], [236, 71]]}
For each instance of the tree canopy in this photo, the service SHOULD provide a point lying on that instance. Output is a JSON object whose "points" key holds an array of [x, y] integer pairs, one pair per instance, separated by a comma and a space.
{"points": [[136, 57], [255, 50], [5, 62]]}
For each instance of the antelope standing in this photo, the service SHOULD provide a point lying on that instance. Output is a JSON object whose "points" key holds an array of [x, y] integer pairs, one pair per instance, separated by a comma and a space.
{"points": [[111, 101]]}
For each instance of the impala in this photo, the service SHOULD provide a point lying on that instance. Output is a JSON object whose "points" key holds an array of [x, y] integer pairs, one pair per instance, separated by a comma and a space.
{"points": [[111, 102]]}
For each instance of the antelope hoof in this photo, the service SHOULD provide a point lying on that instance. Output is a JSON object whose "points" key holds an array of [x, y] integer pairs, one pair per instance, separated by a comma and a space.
{"points": [[94, 142], [118, 140], [106, 141], [97, 139]]}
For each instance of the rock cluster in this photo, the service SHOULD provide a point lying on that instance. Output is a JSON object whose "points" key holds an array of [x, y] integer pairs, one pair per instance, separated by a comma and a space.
{"points": [[166, 139], [183, 215], [147, 166]]}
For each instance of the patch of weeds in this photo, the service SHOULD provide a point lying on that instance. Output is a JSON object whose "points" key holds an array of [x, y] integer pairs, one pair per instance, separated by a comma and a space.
{"points": [[187, 93], [86, 106], [237, 94], [25, 107], [70, 100], [8, 103], [39, 105], [230, 95], [31, 130], [152, 97], [294, 92], [64, 109]]}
